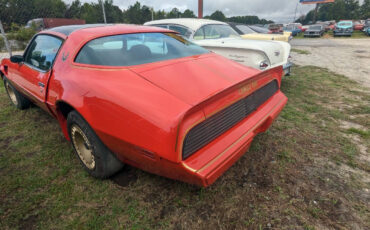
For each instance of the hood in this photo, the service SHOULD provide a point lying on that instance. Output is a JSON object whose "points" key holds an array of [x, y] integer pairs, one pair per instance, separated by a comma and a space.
{"points": [[196, 79], [276, 51]]}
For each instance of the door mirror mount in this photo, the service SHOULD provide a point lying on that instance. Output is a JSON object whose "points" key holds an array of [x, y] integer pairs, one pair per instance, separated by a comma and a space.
{"points": [[16, 59]]}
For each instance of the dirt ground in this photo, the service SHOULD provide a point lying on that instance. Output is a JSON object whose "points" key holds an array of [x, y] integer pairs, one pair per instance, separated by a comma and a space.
{"points": [[350, 57]]}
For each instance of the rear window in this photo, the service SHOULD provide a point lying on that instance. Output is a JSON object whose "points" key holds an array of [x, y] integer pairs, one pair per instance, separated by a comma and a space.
{"points": [[245, 29], [136, 49]]}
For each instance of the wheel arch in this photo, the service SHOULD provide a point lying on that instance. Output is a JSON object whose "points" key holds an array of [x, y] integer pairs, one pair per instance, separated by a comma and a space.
{"points": [[63, 109]]}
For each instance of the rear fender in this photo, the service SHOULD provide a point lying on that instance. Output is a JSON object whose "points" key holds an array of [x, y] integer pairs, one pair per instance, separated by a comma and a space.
{"points": [[244, 56]]}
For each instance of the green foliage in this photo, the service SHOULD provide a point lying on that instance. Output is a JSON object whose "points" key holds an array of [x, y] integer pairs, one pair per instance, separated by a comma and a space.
{"points": [[18, 12], [21, 34], [2, 43], [249, 20], [339, 10], [218, 15]]}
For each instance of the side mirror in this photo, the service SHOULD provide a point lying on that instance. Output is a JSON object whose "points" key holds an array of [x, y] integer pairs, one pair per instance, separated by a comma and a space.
{"points": [[16, 58]]}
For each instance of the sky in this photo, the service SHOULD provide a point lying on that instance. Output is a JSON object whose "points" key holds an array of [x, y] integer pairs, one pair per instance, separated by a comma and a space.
{"points": [[277, 10]]}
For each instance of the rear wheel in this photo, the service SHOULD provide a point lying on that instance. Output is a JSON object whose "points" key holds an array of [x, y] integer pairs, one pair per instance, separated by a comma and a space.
{"points": [[95, 157], [17, 99]]}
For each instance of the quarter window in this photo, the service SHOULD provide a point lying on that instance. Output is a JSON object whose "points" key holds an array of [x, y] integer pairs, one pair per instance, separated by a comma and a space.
{"points": [[42, 51]]}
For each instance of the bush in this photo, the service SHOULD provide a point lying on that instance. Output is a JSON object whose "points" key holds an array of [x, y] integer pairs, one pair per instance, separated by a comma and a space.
{"points": [[2, 43], [20, 35]]}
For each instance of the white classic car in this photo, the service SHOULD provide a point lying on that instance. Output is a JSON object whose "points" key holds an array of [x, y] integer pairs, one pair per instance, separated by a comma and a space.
{"points": [[220, 38]]}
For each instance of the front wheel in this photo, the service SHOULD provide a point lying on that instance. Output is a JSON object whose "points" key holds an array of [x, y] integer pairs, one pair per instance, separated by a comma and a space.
{"points": [[95, 157], [17, 99]]}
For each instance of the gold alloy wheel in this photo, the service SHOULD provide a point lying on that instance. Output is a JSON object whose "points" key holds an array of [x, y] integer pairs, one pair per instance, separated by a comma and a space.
{"points": [[11, 93], [83, 147]]}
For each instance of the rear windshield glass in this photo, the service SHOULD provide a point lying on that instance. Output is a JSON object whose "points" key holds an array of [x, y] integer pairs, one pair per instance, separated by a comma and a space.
{"points": [[136, 49], [245, 29]]}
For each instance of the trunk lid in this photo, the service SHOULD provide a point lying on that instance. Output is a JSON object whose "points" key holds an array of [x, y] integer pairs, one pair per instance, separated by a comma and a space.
{"points": [[194, 80], [277, 52]]}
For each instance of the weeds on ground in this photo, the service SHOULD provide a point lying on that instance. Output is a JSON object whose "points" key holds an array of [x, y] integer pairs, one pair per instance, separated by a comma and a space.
{"points": [[305, 172]]}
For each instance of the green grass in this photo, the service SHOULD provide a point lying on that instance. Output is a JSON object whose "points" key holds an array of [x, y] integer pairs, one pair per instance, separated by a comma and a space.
{"points": [[298, 161], [362, 133], [299, 51]]}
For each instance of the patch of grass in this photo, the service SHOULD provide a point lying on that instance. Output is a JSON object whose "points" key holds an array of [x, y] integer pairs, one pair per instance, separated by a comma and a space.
{"points": [[42, 184], [362, 133], [299, 51]]}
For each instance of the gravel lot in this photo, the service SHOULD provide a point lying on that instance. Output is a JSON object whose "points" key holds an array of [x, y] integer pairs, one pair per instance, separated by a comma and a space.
{"points": [[350, 57]]}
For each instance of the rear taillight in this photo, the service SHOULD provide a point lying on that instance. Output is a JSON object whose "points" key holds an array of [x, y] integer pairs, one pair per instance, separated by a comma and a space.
{"points": [[264, 65]]}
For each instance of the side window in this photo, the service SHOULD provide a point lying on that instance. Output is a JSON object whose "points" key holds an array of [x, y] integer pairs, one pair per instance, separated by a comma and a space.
{"points": [[199, 35], [42, 51], [182, 30]]}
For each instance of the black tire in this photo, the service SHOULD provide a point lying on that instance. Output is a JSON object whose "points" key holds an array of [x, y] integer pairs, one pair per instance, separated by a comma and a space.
{"points": [[103, 163], [15, 97]]}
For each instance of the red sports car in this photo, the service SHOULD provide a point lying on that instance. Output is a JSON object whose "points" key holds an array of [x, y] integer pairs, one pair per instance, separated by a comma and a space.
{"points": [[146, 97]]}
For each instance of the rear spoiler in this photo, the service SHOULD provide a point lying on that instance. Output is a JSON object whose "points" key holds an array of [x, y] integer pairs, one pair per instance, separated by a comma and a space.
{"points": [[274, 73]]}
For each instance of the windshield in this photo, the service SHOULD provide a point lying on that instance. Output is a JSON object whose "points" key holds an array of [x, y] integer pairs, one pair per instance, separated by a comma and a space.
{"points": [[345, 23], [215, 32], [136, 49], [315, 28], [367, 23], [245, 29]]}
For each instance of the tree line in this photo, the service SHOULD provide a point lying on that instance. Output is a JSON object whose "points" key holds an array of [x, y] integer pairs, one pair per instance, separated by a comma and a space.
{"points": [[21, 11], [339, 10]]}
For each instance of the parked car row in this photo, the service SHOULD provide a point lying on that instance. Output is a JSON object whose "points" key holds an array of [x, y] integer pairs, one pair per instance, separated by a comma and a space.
{"points": [[152, 97], [222, 39]]}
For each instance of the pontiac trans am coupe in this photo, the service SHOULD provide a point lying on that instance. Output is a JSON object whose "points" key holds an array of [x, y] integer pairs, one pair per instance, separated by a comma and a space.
{"points": [[144, 96], [221, 38]]}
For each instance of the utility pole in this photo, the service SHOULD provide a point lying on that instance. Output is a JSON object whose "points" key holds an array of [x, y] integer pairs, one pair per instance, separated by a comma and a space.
{"points": [[315, 14], [295, 14], [102, 6], [5, 39], [152, 14], [200, 8]]}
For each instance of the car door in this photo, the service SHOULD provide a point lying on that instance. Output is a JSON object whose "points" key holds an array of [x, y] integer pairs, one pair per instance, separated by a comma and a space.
{"points": [[33, 74]]}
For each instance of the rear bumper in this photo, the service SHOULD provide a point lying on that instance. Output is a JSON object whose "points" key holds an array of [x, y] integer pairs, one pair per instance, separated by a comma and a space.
{"points": [[209, 163], [287, 68]]}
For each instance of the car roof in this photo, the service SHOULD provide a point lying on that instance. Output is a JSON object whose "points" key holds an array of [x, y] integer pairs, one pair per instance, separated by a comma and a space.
{"points": [[192, 23], [99, 30], [67, 30]]}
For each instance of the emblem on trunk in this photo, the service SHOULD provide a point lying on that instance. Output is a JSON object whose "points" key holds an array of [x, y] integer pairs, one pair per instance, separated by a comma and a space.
{"points": [[277, 53]]}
